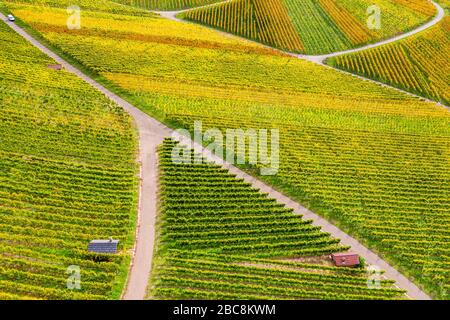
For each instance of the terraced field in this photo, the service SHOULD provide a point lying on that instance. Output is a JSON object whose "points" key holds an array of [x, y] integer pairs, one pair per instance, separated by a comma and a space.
{"points": [[418, 64], [373, 160], [396, 16], [166, 4], [221, 239], [312, 26], [96, 5], [67, 176]]}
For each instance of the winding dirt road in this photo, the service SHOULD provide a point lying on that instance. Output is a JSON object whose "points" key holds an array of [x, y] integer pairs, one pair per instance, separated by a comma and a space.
{"points": [[172, 15], [151, 134]]}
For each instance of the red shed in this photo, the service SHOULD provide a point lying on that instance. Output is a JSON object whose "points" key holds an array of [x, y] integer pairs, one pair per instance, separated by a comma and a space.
{"points": [[345, 259]]}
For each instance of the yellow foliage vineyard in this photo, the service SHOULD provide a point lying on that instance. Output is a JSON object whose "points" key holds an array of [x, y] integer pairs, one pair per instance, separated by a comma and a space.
{"points": [[266, 21], [97, 5], [166, 4], [68, 176], [312, 26], [395, 16]]}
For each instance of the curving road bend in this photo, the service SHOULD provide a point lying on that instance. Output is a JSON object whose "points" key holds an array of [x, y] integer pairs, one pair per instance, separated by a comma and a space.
{"points": [[172, 15], [151, 134], [320, 59]]}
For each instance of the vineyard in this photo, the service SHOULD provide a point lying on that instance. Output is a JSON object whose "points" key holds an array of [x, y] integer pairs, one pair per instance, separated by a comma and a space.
{"points": [[312, 26], [67, 176], [418, 64], [372, 159], [250, 19], [97, 5], [221, 239], [397, 16]]}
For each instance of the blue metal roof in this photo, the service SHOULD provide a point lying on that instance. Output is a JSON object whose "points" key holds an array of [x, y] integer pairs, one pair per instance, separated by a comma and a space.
{"points": [[103, 246]]}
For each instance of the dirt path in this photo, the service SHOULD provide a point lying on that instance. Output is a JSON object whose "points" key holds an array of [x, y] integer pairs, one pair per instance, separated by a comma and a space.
{"points": [[151, 134], [321, 58], [172, 15]]}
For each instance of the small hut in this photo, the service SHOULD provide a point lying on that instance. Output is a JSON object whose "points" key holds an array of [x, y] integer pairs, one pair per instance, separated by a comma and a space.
{"points": [[345, 259]]}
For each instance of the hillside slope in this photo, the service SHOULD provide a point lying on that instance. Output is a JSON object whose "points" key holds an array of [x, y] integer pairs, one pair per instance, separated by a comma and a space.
{"points": [[220, 238], [314, 26], [418, 64], [371, 159], [166, 4]]}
